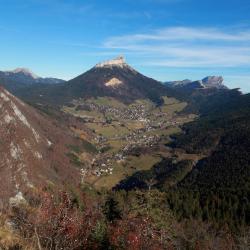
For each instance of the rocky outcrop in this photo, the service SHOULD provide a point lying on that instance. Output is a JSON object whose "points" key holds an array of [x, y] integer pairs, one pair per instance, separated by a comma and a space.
{"points": [[118, 62], [214, 82], [114, 82]]}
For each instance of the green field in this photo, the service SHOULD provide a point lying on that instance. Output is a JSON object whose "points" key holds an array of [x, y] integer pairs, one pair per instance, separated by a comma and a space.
{"points": [[122, 170], [106, 101], [116, 145], [108, 130], [173, 106]]}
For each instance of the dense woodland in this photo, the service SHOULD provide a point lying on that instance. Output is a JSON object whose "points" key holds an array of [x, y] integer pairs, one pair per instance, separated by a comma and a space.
{"points": [[217, 187], [219, 184]]}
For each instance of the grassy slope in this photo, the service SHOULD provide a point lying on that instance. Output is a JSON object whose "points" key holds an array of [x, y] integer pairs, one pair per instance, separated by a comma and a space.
{"points": [[122, 170]]}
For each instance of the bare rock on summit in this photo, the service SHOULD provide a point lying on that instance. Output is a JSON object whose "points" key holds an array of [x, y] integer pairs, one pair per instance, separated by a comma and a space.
{"points": [[214, 82], [118, 62]]}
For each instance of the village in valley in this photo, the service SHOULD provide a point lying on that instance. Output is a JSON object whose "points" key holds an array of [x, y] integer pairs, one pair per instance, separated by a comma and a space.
{"points": [[127, 138]]}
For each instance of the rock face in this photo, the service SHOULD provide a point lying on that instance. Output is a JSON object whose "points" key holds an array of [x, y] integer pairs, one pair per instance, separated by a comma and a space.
{"points": [[117, 62], [32, 148], [114, 82], [214, 82]]}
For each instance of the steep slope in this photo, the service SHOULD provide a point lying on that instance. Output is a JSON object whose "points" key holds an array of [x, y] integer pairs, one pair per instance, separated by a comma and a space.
{"points": [[219, 184], [114, 78], [216, 187], [32, 148]]}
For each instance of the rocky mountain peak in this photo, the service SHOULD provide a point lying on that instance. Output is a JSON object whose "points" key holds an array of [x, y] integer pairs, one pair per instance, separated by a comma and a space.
{"points": [[118, 62], [213, 81]]}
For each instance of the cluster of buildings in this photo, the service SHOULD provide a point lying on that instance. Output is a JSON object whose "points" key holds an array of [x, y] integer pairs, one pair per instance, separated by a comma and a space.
{"points": [[132, 112], [136, 139]]}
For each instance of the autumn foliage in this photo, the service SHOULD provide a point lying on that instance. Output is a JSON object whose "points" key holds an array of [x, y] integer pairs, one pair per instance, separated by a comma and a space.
{"points": [[135, 234], [58, 222], [126, 221]]}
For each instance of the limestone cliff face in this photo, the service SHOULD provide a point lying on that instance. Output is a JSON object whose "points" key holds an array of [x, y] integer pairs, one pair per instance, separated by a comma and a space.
{"points": [[119, 62], [214, 82]]}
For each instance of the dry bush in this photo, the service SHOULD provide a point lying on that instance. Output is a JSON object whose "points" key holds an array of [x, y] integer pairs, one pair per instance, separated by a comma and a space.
{"points": [[57, 222]]}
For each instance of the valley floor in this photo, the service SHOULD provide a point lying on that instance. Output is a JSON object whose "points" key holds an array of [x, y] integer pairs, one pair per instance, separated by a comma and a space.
{"points": [[126, 138]]}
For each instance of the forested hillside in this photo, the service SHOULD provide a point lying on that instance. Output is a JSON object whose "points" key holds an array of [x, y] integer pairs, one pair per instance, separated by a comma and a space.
{"points": [[217, 187]]}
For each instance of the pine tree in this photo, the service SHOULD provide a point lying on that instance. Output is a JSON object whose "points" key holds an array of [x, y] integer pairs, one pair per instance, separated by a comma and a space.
{"points": [[111, 209]]}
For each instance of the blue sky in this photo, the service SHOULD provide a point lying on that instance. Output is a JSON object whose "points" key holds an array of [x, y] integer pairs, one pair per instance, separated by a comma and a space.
{"points": [[164, 39]]}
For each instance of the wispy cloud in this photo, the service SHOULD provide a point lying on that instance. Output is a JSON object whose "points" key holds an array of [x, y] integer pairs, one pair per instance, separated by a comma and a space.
{"points": [[188, 47], [178, 33]]}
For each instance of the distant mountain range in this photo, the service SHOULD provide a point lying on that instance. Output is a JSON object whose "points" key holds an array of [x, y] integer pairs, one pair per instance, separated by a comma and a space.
{"points": [[21, 78], [216, 82], [112, 78]]}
